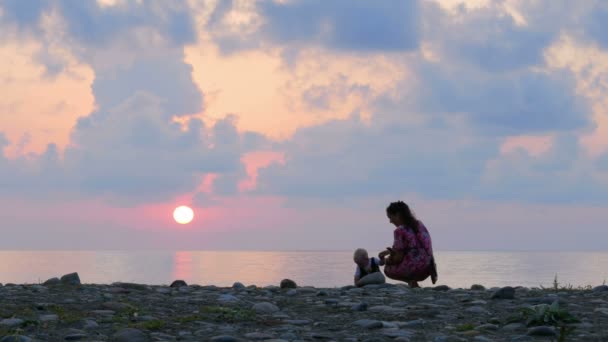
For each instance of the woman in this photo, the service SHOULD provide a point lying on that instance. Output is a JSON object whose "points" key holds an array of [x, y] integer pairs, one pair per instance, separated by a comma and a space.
{"points": [[411, 257]]}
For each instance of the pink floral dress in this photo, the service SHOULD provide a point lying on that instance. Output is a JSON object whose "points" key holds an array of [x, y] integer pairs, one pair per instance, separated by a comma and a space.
{"points": [[416, 264]]}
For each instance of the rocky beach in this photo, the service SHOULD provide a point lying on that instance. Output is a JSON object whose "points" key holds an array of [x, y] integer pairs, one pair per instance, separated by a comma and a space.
{"points": [[63, 309]]}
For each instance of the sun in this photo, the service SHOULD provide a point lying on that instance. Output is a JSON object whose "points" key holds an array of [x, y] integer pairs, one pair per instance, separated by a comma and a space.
{"points": [[183, 214]]}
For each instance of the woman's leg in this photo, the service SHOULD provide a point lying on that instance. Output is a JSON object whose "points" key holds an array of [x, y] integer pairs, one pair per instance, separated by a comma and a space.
{"points": [[413, 284]]}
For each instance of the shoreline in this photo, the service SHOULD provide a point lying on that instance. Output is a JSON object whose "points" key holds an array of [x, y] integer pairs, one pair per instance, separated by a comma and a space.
{"points": [[66, 310]]}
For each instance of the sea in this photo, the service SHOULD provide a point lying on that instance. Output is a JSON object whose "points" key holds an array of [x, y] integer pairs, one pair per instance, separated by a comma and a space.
{"points": [[457, 269]]}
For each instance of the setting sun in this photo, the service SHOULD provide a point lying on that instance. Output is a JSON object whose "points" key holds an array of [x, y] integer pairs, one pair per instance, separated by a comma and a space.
{"points": [[183, 214]]}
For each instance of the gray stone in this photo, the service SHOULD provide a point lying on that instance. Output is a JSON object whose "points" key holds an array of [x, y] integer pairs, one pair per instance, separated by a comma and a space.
{"points": [[70, 279], [258, 336], [450, 338], [238, 286], [506, 292], [89, 324], [477, 287], [359, 307], [224, 338], [297, 321], [476, 310], [227, 298], [75, 337], [487, 327], [542, 331], [39, 288], [291, 292], [513, 327], [178, 283], [368, 324], [441, 288], [103, 312], [116, 306], [482, 339], [417, 323], [601, 288], [130, 335], [11, 322], [395, 333], [331, 301], [321, 336], [288, 284], [15, 338], [48, 318], [265, 308]]}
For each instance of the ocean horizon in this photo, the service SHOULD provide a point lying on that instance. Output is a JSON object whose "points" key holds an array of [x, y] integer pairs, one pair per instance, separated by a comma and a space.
{"points": [[320, 268]]}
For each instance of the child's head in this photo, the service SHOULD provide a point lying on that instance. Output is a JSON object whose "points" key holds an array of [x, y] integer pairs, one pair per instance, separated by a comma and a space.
{"points": [[360, 257]]}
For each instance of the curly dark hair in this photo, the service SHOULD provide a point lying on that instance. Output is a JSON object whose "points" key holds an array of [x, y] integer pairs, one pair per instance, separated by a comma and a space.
{"points": [[406, 214]]}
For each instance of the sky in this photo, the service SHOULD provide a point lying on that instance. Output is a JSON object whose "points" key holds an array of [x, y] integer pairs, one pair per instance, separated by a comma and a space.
{"points": [[291, 125]]}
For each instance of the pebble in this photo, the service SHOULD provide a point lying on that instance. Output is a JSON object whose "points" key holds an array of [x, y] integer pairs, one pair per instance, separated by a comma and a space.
{"points": [[476, 310], [75, 337], [130, 335], [227, 298], [224, 338], [542, 331], [368, 323], [11, 322], [48, 318], [19, 338], [359, 307], [265, 308], [258, 336]]}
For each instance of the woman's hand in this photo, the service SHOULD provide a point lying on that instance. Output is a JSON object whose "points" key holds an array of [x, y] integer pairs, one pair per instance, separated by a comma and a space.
{"points": [[383, 254]]}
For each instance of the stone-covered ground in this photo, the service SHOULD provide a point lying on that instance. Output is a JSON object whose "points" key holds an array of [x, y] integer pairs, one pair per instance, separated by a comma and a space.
{"points": [[65, 310]]}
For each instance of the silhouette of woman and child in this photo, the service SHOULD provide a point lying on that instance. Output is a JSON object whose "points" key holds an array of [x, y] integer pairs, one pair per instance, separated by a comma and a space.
{"points": [[410, 259]]}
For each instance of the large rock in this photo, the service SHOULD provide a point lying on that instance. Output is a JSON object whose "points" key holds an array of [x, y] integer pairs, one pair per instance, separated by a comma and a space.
{"points": [[238, 286], [70, 279], [178, 283], [600, 288], [375, 278], [52, 281], [506, 292], [288, 284]]}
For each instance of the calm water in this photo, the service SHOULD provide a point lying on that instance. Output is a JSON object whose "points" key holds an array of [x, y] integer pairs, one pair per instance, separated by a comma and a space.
{"points": [[321, 269]]}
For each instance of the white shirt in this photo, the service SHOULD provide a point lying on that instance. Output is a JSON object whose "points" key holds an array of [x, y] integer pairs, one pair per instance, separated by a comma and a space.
{"points": [[369, 265]]}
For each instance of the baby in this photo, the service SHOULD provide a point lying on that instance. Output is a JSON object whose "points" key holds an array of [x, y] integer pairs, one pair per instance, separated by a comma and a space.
{"points": [[368, 270]]}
